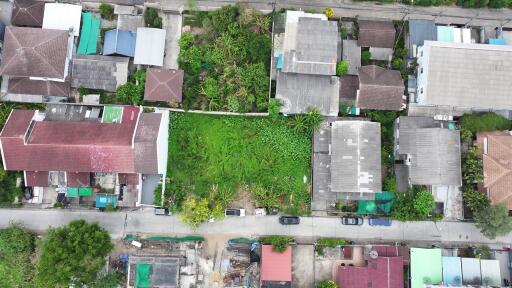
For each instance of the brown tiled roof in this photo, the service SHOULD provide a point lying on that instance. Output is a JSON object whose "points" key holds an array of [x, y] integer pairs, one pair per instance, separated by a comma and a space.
{"points": [[163, 85], [34, 52], [17, 123], [128, 179], [27, 13], [81, 179], [348, 89], [38, 179], [497, 166], [380, 88], [376, 34], [146, 154], [23, 85]]}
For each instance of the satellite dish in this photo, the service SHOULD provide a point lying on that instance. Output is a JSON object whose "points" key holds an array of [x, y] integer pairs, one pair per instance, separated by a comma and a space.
{"points": [[374, 254]]}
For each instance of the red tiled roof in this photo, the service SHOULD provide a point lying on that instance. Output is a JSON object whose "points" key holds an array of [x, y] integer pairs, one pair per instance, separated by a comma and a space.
{"points": [[380, 88], [23, 85], [383, 272], [128, 179], [379, 34], [27, 13], [38, 179], [34, 52], [497, 166], [163, 85], [392, 251], [17, 123], [276, 266], [82, 179]]}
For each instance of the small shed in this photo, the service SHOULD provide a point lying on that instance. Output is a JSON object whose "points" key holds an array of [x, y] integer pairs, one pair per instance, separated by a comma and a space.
{"points": [[150, 54], [275, 267], [491, 275], [452, 271], [62, 16], [119, 42], [90, 32], [163, 85], [471, 274]]}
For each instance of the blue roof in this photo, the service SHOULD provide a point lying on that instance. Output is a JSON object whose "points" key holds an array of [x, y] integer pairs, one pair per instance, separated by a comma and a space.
{"points": [[103, 200], [419, 31], [445, 33], [119, 42], [452, 271], [497, 41]]}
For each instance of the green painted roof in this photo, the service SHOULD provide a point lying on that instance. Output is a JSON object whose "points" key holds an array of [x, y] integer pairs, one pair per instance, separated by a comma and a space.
{"points": [[426, 267], [72, 192], [89, 36], [112, 114], [142, 273]]}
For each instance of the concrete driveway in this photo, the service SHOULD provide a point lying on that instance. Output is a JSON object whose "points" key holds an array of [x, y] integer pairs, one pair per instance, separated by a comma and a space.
{"points": [[172, 25], [303, 270]]}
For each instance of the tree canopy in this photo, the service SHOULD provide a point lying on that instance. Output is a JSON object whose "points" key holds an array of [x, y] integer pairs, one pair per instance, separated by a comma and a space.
{"points": [[414, 205], [72, 254], [493, 221], [484, 122]]}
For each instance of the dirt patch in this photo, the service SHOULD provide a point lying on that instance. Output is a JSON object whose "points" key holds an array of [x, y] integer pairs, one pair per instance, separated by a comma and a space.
{"points": [[244, 200]]}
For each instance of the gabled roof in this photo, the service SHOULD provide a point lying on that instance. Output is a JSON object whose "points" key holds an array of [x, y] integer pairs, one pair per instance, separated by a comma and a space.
{"points": [[150, 54], [27, 13], [349, 84], [376, 34], [163, 85], [23, 85], [145, 141], [38, 178], [497, 162], [119, 42], [81, 179], [434, 151], [383, 272], [380, 89], [276, 266], [99, 72], [34, 52]]}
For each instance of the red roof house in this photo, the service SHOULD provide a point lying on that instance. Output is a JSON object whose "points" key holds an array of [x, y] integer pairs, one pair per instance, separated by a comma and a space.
{"points": [[382, 272], [276, 268]]}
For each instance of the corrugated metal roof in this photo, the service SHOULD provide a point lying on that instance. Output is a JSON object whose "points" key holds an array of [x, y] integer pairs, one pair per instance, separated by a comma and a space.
{"points": [[119, 42], [471, 274], [99, 72], [150, 54], [452, 271], [419, 31], [490, 272], [426, 267], [61, 16]]}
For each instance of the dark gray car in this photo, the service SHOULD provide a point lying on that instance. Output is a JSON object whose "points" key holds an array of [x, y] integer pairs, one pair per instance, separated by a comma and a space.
{"points": [[289, 220]]}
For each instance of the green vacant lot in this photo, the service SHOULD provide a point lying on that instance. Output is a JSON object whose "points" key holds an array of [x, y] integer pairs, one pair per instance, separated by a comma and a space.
{"points": [[215, 157]]}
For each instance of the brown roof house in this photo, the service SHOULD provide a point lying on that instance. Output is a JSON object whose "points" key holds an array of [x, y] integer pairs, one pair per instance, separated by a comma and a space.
{"points": [[32, 57], [72, 146], [497, 157], [380, 89], [379, 36], [163, 85], [27, 13]]}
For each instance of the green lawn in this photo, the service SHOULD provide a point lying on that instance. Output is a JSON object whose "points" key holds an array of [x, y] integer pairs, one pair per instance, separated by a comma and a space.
{"points": [[213, 156]]}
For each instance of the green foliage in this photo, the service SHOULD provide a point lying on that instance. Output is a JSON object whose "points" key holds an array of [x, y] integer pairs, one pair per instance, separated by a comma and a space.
{"points": [[496, 4], [329, 242], [279, 243], [472, 167], [212, 157], [274, 107], [386, 120], [307, 123], [397, 63], [365, 57], [484, 122], [414, 205], [84, 91], [111, 208], [329, 12], [72, 255], [58, 205], [390, 184], [342, 68], [129, 93], [343, 33], [493, 221], [227, 65], [483, 252], [327, 284], [151, 18], [107, 11], [16, 248], [195, 212], [465, 135], [475, 200]]}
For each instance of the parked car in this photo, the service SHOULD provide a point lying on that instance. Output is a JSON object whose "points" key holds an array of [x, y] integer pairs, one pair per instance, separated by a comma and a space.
{"points": [[379, 222], [234, 212], [289, 220], [162, 211], [352, 220]]}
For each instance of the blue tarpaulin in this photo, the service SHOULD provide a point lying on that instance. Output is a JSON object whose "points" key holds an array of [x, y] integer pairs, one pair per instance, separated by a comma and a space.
{"points": [[497, 41], [120, 42], [104, 200]]}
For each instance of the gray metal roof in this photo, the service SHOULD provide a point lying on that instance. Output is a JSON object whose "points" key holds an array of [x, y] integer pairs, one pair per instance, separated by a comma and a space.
{"points": [[468, 75], [352, 54], [355, 157], [297, 92], [434, 151], [419, 31], [99, 72], [315, 50]]}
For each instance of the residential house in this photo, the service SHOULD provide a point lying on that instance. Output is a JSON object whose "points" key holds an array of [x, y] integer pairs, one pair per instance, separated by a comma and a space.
{"points": [[164, 85], [276, 268], [119, 42], [99, 72], [307, 64], [153, 54], [346, 162], [458, 78], [496, 148], [383, 268], [71, 147], [379, 36], [62, 16], [27, 13], [427, 152], [419, 31]]}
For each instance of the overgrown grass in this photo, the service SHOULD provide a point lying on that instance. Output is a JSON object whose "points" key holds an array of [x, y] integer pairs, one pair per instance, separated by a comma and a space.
{"points": [[214, 156]]}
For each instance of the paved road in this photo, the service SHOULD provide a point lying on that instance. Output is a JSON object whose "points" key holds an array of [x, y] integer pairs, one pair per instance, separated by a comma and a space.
{"points": [[144, 221]]}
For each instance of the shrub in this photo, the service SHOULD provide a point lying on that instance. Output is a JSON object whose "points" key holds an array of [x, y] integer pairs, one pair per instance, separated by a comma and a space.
{"points": [[329, 242], [472, 167], [483, 252], [195, 212], [342, 68], [129, 94], [151, 18], [329, 12], [390, 184], [484, 122], [111, 208], [327, 284], [365, 57], [465, 135], [107, 11], [414, 205], [475, 200], [17, 246], [279, 243], [397, 63]]}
